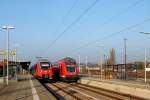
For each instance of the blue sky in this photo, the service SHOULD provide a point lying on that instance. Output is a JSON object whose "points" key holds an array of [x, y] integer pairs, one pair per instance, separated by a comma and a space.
{"points": [[37, 25]]}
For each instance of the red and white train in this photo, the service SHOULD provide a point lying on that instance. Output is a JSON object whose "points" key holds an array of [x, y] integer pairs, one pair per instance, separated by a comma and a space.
{"points": [[66, 69], [41, 69]]}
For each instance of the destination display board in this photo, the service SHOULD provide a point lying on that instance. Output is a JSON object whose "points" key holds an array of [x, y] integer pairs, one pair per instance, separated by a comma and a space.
{"points": [[69, 61]]}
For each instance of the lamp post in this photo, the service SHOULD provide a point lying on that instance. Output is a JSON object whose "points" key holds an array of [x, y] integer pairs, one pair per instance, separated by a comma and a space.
{"points": [[16, 54], [125, 57], [86, 65], [145, 61], [7, 28], [101, 61], [105, 60]]}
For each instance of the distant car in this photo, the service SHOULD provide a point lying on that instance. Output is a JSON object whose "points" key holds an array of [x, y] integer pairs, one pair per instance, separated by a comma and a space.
{"points": [[42, 69], [68, 69]]}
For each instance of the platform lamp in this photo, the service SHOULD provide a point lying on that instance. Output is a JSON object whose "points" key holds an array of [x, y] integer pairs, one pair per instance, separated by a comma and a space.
{"points": [[7, 28], [145, 60]]}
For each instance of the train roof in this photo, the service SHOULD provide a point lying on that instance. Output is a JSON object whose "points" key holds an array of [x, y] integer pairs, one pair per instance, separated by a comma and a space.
{"points": [[43, 60], [35, 61], [69, 59]]}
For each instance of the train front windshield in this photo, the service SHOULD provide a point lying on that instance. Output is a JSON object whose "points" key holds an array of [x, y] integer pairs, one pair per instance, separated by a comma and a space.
{"points": [[70, 68], [70, 64], [45, 65]]}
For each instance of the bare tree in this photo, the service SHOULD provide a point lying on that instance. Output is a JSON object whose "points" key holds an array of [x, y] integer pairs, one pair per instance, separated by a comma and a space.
{"points": [[112, 58]]}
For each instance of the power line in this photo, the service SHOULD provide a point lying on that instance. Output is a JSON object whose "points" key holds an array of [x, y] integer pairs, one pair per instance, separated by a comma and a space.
{"points": [[120, 13], [64, 19], [74, 22], [109, 36], [112, 34], [66, 16], [69, 11]]}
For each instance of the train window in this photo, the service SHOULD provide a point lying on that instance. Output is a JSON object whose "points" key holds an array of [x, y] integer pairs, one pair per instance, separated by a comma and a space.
{"points": [[70, 63], [45, 65], [70, 68]]}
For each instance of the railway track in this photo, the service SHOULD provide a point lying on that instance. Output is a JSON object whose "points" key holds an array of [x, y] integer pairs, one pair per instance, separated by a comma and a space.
{"points": [[76, 91], [108, 93]]}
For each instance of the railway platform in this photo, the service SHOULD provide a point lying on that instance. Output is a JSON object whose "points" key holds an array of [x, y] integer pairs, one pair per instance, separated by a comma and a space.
{"points": [[130, 87], [26, 88]]}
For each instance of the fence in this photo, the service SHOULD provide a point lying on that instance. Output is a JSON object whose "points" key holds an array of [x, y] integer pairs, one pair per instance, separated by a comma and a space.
{"points": [[119, 71]]}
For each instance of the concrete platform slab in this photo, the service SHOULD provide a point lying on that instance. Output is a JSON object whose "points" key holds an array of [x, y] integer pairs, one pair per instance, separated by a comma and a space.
{"points": [[23, 90], [127, 87]]}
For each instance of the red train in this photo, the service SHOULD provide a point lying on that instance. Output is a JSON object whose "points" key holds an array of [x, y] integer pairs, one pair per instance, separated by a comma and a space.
{"points": [[42, 69], [66, 69]]}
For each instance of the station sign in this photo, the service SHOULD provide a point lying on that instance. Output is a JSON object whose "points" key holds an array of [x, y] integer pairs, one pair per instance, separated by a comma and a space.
{"points": [[3, 53], [12, 53]]}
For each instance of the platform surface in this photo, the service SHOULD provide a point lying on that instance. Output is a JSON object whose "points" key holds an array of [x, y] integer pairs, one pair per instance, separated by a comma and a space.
{"points": [[26, 88], [132, 87]]}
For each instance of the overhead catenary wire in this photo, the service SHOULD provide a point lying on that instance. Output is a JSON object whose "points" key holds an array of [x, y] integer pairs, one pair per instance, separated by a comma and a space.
{"points": [[70, 25], [120, 13], [106, 37], [112, 34], [64, 18], [109, 20], [66, 15]]}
